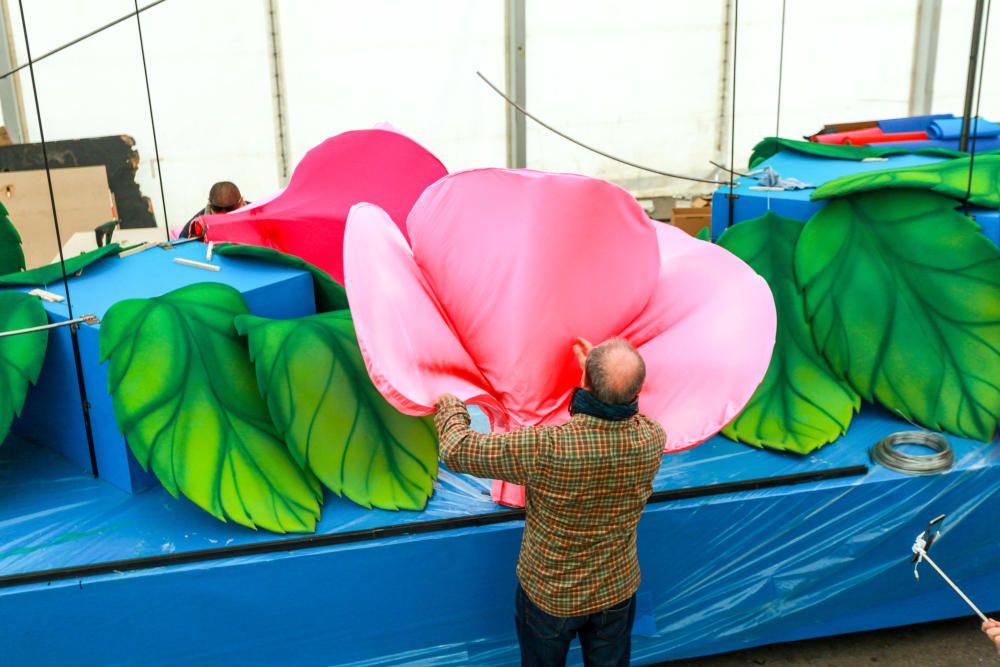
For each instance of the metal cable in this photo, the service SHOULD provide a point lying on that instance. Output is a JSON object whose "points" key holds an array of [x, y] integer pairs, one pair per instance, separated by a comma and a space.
{"points": [[74, 339], [79, 39], [885, 453], [590, 148]]}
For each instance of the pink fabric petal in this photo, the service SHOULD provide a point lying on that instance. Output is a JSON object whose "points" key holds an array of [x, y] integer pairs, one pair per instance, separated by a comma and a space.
{"points": [[307, 219], [523, 262], [411, 353], [706, 338]]}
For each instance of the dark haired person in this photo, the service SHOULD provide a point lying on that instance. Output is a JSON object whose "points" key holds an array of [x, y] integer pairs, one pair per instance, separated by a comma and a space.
{"points": [[223, 197], [586, 484]]}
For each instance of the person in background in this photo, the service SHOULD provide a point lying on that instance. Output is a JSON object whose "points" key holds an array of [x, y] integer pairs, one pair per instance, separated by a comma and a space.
{"points": [[223, 197], [587, 482], [992, 630]]}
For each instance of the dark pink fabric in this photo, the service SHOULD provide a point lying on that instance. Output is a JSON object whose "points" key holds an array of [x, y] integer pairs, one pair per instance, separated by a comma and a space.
{"points": [[308, 217]]}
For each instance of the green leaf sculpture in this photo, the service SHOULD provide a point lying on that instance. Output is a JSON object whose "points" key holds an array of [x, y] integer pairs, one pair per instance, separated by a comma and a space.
{"points": [[333, 418], [903, 295], [950, 177], [800, 405], [11, 254], [769, 146], [21, 356], [184, 395], [330, 295]]}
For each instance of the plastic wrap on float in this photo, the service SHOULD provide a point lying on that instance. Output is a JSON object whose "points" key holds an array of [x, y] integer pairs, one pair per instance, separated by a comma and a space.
{"points": [[754, 561]]}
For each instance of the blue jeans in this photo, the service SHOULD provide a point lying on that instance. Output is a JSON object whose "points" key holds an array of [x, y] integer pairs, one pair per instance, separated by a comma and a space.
{"points": [[605, 636]]}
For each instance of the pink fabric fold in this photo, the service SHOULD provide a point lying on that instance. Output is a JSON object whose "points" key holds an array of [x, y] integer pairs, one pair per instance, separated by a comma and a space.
{"points": [[308, 217], [706, 337], [508, 267], [411, 353]]}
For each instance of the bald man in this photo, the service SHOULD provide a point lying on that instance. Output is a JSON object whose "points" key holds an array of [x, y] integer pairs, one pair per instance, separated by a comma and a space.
{"points": [[586, 484], [223, 197]]}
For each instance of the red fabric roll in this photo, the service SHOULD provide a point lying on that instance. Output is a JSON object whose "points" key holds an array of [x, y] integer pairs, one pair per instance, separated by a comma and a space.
{"points": [[892, 136], [853, 136]]}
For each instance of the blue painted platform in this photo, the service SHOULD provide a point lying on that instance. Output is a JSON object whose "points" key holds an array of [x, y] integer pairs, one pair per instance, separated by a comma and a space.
{"points": [[52, 413], [719, 573], [814, 170]]}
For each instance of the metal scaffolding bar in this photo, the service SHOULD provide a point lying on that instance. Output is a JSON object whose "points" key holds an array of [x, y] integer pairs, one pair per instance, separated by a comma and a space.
{"points": [[515, 88]]}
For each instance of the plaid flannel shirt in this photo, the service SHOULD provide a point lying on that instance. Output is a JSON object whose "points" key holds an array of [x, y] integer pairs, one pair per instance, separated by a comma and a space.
{"points": [[586, 481]]}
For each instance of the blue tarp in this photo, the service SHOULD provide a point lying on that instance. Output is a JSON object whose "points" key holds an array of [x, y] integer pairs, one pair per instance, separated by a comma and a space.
{"points": [[719, 572]]}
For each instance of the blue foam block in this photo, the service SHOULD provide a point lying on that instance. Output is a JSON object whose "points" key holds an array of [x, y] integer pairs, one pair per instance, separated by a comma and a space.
{"points": [[795, 204], [52, 413], [989, 220]]}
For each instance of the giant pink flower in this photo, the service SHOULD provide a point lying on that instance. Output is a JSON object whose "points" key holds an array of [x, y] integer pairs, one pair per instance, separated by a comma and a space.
{"points": [[507, 267]]}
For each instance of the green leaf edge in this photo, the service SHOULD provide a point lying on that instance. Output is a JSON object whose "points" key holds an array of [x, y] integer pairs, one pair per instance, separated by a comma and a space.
{"points": [[247, 325], [29, 372], [733, 430], [330, 295]]}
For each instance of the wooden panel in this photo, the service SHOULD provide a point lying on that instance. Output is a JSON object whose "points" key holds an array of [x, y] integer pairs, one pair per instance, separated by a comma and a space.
{"points": [[83, 201]]}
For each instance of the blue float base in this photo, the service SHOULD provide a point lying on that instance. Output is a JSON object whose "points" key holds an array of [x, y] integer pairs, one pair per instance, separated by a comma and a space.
{"points": [[720, 573]]}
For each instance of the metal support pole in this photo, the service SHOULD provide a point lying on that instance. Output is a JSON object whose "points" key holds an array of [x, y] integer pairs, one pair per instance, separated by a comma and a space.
{"points": [[11, 99], [515, 88], [86, 319], [970, 80], [722, 137], [947, 580], [925, 47], [278, 97]]}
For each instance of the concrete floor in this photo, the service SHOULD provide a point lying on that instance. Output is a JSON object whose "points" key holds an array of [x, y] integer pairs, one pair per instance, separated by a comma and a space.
{"points": [[954, 643]]}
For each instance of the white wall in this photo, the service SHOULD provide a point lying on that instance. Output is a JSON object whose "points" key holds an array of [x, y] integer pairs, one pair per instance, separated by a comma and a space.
{"points": [[639, 78]]}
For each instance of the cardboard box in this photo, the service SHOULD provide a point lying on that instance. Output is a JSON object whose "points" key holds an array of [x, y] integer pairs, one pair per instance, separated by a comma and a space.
{"points": [[692, 220]]}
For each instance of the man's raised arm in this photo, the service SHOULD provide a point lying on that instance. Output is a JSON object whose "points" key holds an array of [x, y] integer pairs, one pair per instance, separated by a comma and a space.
{"points": [[507, 456]]}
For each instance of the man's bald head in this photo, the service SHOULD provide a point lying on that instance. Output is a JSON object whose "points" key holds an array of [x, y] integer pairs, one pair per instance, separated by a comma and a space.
{"points": [[615, 372], [224, 196]]}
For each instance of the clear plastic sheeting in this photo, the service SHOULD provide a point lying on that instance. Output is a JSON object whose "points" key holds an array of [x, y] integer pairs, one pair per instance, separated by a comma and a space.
{"points": [[720, 572]]}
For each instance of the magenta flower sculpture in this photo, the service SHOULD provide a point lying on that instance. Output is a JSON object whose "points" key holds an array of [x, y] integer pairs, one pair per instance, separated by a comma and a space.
{"points": [[307, 218], [505, 268]]}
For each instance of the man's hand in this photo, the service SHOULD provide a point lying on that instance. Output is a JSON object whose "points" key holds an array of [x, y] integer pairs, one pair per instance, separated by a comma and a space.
{"points": [[992, 630], [442, 398]]}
